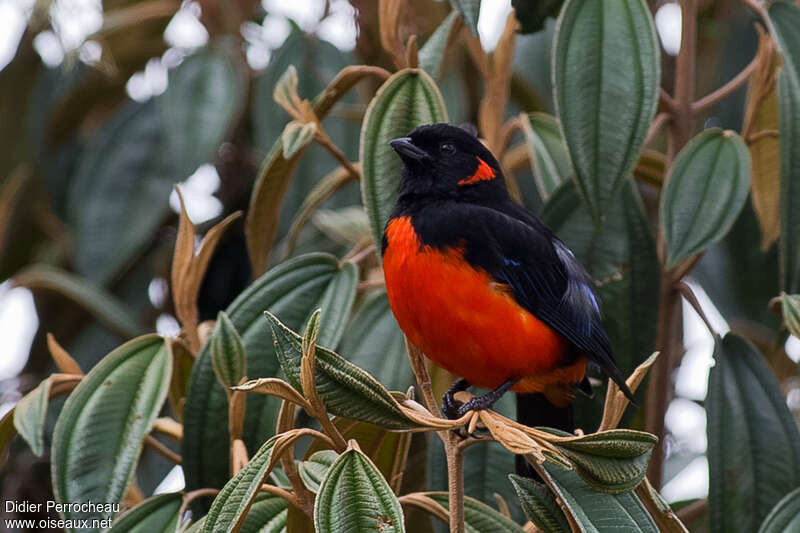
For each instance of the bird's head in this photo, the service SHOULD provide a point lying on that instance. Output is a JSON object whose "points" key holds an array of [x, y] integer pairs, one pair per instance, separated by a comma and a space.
{"points": [[444, 161]]}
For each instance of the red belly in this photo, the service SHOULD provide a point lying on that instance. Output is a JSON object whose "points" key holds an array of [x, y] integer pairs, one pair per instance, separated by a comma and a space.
{"points": [[465, 322]]}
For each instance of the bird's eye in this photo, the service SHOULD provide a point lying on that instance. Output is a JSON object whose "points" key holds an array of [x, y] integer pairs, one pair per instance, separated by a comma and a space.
{"points": [[447, 149]]}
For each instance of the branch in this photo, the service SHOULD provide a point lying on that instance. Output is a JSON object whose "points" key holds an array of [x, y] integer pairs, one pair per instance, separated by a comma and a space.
{"points": [[758, 8], [455, 482], [322, 138], [655, 127], [666, 100], [726, 90], [283, 493], [162, 450]]}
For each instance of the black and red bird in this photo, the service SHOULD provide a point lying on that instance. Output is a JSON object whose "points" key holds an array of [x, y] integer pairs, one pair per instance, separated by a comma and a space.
{"points": [[483, 287]]}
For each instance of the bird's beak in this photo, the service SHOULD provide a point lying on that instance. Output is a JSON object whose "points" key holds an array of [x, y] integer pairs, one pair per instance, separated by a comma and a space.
{"points": [[407, 149]]}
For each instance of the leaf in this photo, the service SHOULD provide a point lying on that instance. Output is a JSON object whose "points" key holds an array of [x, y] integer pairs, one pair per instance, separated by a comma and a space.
{"points": [[101, 429], [297, 136], [761, 120], [30, 415], [313, 470], [785, 516], [267, 515], [375, 343], [606, 74], [432, 54], [406, 100], [479, 517], [354, 497], [286, 93], [547, 152], [153, 515], [103, 306], [705, 192], [540, 505], [291, 290], [469, 10], [204, 95], [785, 17], [118, 196], [532, 15], [595, 512], [345, 389], [336, 303], [228, 357], [753, 442], [791, 312], [666, 520], [346, 225]]}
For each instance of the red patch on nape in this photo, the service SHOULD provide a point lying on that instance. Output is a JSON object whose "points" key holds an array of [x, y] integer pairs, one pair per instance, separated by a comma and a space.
{"points": [[484, 172]]}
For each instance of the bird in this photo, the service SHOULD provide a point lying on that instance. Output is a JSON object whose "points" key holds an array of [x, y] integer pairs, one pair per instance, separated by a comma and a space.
{"points": [[484, 288]]}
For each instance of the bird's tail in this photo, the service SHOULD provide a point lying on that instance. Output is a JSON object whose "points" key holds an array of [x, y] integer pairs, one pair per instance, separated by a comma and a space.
{"points": [[535, 409]]}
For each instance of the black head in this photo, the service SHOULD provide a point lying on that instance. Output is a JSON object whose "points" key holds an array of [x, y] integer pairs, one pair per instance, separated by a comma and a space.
{"points": [[444, 161]]}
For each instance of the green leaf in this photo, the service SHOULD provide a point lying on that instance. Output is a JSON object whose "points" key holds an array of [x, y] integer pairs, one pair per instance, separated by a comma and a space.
{"points": [[354, 497], [532, 15], [101, 429], [230, 507], [408, 99], [540, 505], [30, 414], [784, 18], [479, 517], [547, 152], [103, 306], [286, 88], [596, 512], [785, 516], [791, 312], [228, 358], [612, 461], [204, 95], [313, 470], [345, 389], [267, 515], [296, 136], [606, 74], [119, 193], [432, 53], [375, 343], [347, 225], [336, 304], [753, 442], [158, 514], [469, 10], [291, 290], [705, 192]]}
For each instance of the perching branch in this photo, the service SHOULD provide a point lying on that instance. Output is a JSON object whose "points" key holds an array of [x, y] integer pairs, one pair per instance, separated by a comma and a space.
{"points": [[726, 90]]}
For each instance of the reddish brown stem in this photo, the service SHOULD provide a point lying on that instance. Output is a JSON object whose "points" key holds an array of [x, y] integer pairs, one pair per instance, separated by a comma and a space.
{"points": [[726, 90]]}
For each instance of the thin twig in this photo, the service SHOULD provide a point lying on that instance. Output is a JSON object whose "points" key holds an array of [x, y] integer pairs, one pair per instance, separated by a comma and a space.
{"points": [[761, 134], [417, 361], [190, 496], [283, 493], [687, 292], [655, 127], [507, 131], [666, 101], [683, 269], [726, 90], [758, 8], [455, 482], [356, 256], [322, 138], [162, 450]]}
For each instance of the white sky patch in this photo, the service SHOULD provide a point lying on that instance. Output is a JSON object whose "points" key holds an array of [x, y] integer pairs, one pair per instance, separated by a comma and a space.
{"points": [[167, 325], [668, 25], [185, 29], [18, 325], [12, 26], [305, 13], [74, 20], [198, 195], [157, 291], [792, 348], [172, 482], [691, 482], [686, 420], [149, 82], [339, 27], [491, 22], [49, 48]]}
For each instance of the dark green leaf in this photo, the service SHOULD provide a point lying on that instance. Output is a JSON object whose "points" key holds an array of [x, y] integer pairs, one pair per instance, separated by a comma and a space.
{"points": [[607, 76], [540, 505], [266, 515], [291, 290], [158, 514], [345, 389], [313, 470], [753, 442], [354, 497], [296, 137], [336, 303], [406, 100], [101, 429], [547, 152], [30, 414], [532, 14], [432, 53], [790, 304], [205, 93], [705, 192], [785, 516], [228, 357], [479, 517]]}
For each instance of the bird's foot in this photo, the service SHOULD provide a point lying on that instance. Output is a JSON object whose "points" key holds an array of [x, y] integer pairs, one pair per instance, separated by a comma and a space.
{"points": [[450, 407], [485, 401]]}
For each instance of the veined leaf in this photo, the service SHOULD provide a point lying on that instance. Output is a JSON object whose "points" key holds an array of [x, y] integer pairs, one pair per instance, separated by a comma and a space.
{"points": [[753, 442], [595, 512], [406, 100], [336, 303], [791, 312], [540, 505], [313, 469], [784, 18], [547, 152], [297, 136], [348, 225], [785, 516], [431, 55], [101, 429], [354, 497], [158, 514], [606, 74], [29, 416], [705, 192], [267, 515], [478, 517], [291, 290], [345, 389], [228, 357]]}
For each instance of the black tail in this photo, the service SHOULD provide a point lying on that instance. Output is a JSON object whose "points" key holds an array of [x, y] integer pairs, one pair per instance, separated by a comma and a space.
{"points": [[535, 410]]}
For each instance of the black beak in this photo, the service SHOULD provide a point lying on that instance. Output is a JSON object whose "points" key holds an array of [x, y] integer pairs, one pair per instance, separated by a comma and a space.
{"points": [[407, 149]]}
